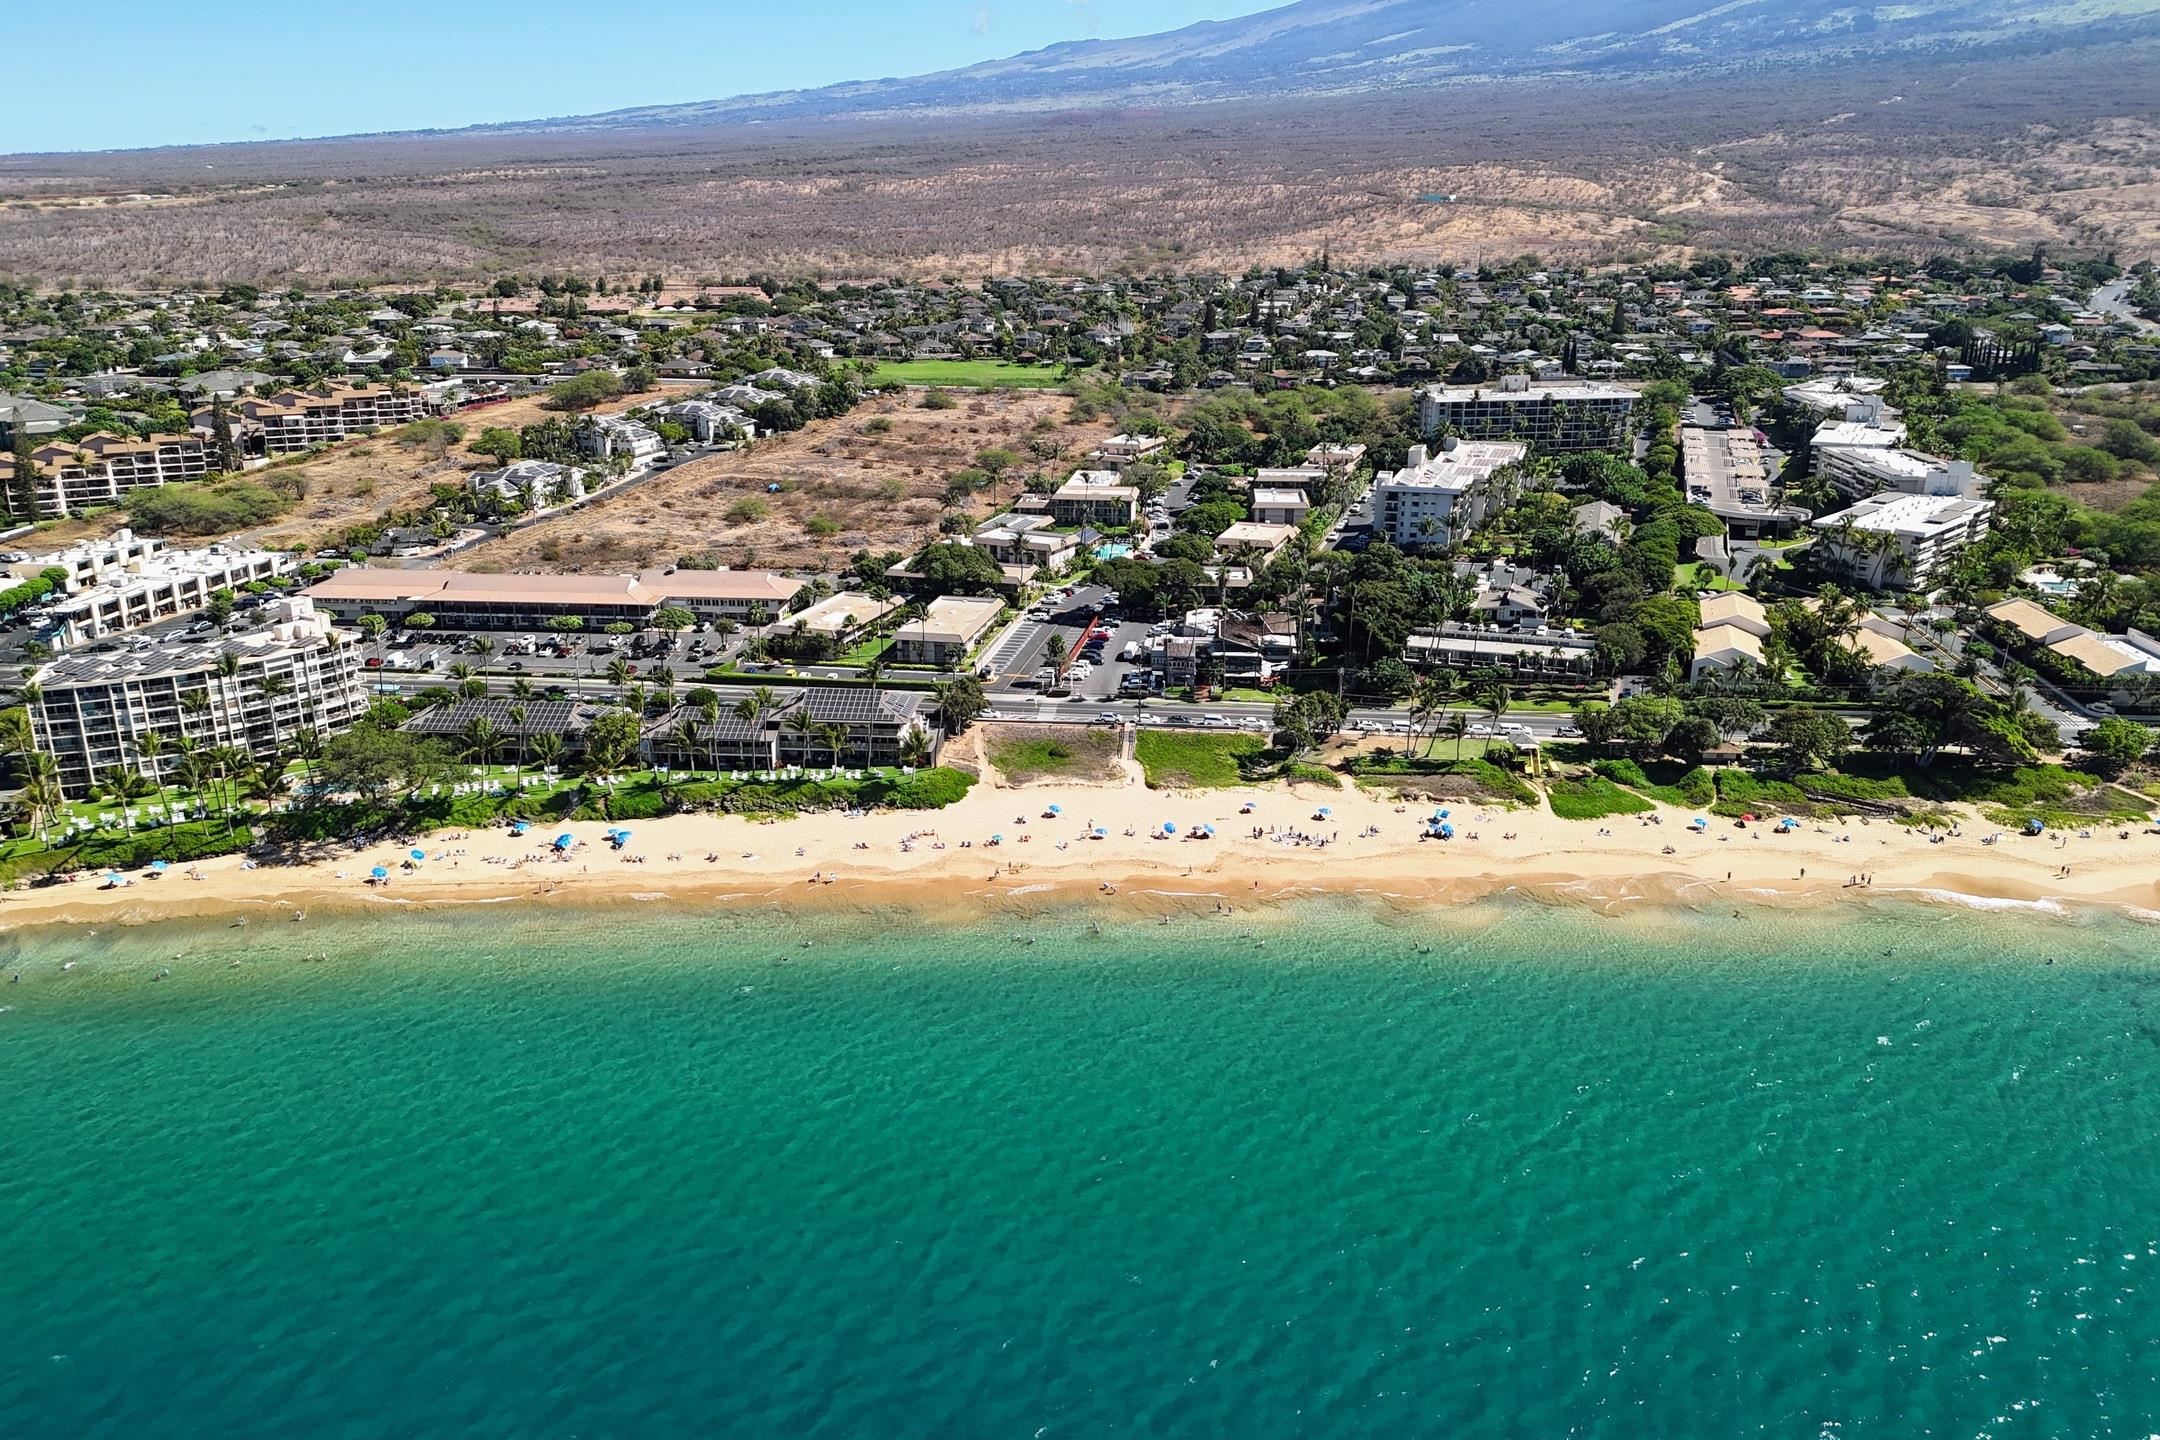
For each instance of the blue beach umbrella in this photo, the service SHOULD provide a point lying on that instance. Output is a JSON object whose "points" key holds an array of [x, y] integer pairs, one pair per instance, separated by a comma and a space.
{"points": [[1324, 810], [380, 873], [1100, 833], [112, 877], [997, 839], [1208, 830], [1447, 832], [519, 828], [564, 841], [160, 864], [1056, 809], [1168, 828], [417, 854]]}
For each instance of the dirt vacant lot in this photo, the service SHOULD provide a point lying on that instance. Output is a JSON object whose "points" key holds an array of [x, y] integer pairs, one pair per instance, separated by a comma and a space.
{"points": [[873, 479], [368, 479]]}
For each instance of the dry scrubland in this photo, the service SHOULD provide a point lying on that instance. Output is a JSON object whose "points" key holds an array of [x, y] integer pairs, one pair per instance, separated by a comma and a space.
{"points": [[1989, 154], [873, 479]]}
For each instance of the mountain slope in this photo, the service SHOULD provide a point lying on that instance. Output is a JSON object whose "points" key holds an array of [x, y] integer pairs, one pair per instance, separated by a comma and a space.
{"points": [[1336, 47]]}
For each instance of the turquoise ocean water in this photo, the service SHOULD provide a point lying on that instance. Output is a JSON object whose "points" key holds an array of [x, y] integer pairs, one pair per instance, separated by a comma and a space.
{"points": [[1850, 1173]]}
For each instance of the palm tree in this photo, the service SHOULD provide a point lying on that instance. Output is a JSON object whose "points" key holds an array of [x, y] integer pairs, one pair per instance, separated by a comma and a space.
{"points": [[915, 748], [709, 714], [1496, 698], [42, 792], [1457, 724], [523, 690], [195, 704], [226, 763], [189, 768], [618, 672], [835, 738], [517, 713], [149, 746], [124, 785], [482, 740], [308, 745], [752, 710], [547, 748], [228, 670], [273, 688], [804, 727], [1428, 701]]}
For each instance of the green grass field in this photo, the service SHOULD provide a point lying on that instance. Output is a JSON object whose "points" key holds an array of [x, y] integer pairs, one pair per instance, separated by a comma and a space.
{"points": [[1022, 754], [969, 374], [1191, 762]]}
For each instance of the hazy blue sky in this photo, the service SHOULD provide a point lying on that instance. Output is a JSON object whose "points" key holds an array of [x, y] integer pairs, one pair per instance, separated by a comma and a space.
{"points": [[168, 74]]}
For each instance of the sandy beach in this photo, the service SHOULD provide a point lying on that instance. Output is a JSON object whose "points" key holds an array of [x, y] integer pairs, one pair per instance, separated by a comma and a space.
{"points": [[1108, 842]]}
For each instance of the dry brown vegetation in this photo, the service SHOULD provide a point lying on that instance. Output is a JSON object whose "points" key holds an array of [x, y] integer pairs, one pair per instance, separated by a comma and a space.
{"points": [[876, 477], [1987, 154]]}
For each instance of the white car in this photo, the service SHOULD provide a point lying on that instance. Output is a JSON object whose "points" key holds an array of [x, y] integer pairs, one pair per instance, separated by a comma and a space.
{"points": [[1480, 729]]}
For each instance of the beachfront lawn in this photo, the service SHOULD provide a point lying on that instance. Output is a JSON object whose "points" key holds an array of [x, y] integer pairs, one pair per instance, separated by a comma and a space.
{"points": [[970, 374], [1023, 754], [1196, 762], [1593, 798], [1472, 777], [1665, 780]]}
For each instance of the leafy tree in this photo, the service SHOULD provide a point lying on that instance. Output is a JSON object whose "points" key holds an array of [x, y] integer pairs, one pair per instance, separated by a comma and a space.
{"points": [[1809, 739], [1307, 720], [2115, 744], [960, 702], [958, 570], [499, 442]]}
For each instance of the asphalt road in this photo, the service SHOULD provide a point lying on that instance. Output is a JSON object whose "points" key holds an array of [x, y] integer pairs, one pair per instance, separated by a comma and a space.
{"points": [[2113, 299]]}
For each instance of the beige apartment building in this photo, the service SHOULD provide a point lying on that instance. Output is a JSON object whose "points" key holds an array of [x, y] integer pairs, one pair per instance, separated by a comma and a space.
{"points": [[99, 470], [295, 420]]}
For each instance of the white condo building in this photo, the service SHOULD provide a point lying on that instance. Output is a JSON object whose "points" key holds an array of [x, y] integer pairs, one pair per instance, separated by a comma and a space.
{"points": [[1438, 499], [93, 710], [1901, 540], [123, 583], [1551, 414]]}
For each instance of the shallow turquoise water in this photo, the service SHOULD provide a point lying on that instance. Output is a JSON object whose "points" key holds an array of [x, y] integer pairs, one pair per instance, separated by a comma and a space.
{"points": [[618, 1174]]}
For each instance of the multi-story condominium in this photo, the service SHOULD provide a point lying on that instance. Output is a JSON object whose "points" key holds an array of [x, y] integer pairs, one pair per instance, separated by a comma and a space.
{"points": [[877, 726], [950, 627], [608, 437], [1438, 499], [1471, 647], [533, 483], [463, 601], [100, 469], [708, 423], [1901, 540], [1552, 415], [294, 420], [1865, 423], [1121, 450], [1024, 544], [123, 583], [92, 711], [1856, 472], [1276, 506], [1095, 497]]}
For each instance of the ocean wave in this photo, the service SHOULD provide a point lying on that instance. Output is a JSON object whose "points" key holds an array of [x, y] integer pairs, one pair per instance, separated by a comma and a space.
{"points": [[2041, 906]]}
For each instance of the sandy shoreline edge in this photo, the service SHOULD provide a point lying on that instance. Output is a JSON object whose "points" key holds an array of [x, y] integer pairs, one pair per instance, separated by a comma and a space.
{"points": [[1365, 846]]}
